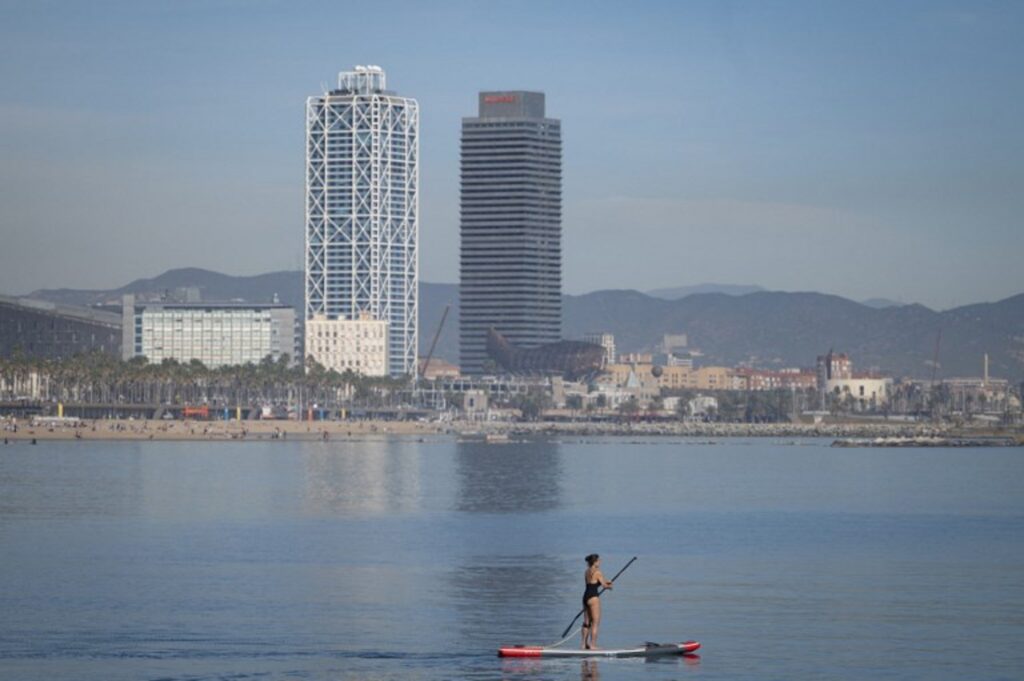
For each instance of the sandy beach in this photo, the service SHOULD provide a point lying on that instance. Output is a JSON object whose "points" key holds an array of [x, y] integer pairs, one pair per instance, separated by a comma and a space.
{"points": [[125, 429], [22, 430]]}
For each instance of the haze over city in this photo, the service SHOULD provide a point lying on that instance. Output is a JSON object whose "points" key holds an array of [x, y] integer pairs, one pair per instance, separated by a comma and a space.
{"points": [[868, 150]]}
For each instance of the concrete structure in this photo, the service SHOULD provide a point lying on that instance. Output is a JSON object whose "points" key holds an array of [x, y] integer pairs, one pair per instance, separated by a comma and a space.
{"points": [[863, 393], [356, 345], [676, 377], [834, 365], [438, 368], [42, 329], [362, 209], [475, 403], [676, 351], [571, 359], [216, 334], [635, 358], [702, 406], [978, 395], [606, 341], [783, 379], [511, 226]]}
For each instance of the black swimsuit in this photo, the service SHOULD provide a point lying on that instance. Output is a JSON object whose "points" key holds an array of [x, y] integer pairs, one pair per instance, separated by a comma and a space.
{"points": [[593, 591]]}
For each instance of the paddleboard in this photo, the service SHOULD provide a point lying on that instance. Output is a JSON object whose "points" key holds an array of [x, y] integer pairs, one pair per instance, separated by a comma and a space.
{"points": [[646, 650]]}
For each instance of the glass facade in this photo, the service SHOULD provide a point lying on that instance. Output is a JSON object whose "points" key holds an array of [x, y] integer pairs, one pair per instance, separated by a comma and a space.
{"points": [[216, 336], [511, 227]]}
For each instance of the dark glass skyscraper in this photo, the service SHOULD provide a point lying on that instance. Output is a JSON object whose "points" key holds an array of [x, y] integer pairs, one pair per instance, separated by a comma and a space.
{"points": [[511, 227]]}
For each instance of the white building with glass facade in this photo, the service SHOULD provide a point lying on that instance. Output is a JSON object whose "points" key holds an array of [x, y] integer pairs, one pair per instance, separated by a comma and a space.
{"points": [[362, 211], [216, 334]]}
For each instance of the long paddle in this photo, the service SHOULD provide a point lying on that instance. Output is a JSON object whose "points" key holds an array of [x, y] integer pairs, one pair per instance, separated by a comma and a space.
{"points": [[601, 591]]}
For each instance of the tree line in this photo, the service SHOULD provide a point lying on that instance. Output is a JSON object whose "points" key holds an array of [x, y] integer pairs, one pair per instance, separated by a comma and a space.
{"points": [[99, 378]]}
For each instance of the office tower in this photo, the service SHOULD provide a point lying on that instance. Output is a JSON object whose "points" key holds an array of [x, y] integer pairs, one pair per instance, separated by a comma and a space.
{"points": [[511, 226], [362, 216]]}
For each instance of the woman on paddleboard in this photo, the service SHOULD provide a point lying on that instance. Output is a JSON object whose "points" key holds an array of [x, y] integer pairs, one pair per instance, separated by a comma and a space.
{"points": [[594, 581]]}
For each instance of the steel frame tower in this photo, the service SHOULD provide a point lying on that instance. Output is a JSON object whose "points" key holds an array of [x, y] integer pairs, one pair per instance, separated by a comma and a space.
{"points": [[362, 209]]}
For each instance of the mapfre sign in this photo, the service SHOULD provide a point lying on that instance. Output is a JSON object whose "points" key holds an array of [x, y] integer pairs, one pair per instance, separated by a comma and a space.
{"points": [[499, 99]]}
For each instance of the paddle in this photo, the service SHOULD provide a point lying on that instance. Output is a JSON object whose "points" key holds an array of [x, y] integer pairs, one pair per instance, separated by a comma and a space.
{"points": [[602, 590]]}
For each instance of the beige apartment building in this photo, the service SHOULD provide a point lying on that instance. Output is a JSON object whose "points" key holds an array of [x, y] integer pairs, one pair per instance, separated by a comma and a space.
{"points": [[357, 345], [675, 377]]}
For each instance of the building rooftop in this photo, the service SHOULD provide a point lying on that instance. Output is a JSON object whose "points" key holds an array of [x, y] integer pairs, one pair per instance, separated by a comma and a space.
{"points": [[85, 314], [511, 104]]}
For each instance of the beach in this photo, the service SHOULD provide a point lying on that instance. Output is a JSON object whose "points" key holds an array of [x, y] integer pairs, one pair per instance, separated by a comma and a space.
{"points": [[255, 430], [16, 430]]}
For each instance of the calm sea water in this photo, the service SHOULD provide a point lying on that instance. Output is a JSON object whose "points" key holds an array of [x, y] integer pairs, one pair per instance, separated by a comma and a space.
{"points": [[415, 560]]}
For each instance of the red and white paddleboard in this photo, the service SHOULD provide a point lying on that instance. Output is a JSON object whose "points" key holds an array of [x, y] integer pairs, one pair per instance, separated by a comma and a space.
{"points": [[647, 650]]}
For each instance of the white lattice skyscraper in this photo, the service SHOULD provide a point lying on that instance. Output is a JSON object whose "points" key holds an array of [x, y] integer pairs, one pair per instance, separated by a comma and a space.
{"points": [[362, 219]]}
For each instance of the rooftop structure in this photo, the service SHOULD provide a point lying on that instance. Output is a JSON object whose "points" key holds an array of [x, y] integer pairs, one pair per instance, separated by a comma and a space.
{"points": [[39, 328]]}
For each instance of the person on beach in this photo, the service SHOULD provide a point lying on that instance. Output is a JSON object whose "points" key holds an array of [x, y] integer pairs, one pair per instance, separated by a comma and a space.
{"points": [[594, 580]]}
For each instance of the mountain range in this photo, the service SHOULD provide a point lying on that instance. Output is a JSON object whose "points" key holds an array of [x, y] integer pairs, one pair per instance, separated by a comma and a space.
{"points": [[730, 324]]}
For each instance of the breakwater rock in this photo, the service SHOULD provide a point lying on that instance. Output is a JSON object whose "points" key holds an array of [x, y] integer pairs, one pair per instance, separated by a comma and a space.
{"points": [[707, 430], [930, 442]]}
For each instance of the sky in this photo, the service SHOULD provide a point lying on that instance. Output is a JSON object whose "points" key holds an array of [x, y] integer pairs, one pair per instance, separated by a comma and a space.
{"points": [[865, 149]]}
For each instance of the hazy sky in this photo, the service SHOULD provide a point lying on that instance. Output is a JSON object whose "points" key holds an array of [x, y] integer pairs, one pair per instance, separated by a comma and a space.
{"points": [[864, 149]]}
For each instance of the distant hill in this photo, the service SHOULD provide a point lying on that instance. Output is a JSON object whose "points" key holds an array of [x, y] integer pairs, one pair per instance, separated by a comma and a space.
{"points": [[766, 328], [677, 292], [212, 286], [790, 329], [879, 303]]}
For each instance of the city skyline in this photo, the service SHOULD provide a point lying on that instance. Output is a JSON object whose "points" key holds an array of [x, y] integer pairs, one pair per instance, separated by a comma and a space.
{"points": [[866, 151]]}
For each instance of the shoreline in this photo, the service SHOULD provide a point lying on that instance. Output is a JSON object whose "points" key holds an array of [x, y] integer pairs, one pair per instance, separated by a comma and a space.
{"points": [[492, 432]]}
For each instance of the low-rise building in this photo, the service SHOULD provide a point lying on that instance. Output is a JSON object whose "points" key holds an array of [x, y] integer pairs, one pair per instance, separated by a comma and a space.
{"points": [[39, 328], [783, 379], [216, 334], [973, 395], [674, 377], [862, 392], [635, 358]]}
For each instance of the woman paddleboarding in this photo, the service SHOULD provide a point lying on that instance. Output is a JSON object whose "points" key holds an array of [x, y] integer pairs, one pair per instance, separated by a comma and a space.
{"points": [[594, 581]]}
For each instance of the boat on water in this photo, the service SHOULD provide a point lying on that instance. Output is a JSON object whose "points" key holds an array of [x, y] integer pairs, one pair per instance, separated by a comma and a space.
{"points": [[646, 650]]}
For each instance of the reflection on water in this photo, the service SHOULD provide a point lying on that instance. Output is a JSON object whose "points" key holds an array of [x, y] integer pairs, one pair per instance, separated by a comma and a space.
{"points": [[508, 478], [498, 598], [590, 670], [71, 479], [375, 476], [299, 559]]}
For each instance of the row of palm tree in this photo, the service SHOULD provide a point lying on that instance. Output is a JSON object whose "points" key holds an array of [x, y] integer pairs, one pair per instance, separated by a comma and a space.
{"points": [[98, 378]]}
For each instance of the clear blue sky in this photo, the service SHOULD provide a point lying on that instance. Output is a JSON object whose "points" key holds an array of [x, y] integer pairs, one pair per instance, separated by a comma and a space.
{"points": [[861, 148]]}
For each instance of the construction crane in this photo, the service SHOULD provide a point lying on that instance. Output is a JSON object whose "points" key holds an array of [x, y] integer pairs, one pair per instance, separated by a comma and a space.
{"points": [[433, 343]]}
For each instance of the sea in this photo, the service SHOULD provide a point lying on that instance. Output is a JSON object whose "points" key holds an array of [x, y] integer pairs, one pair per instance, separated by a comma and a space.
{"points": [[383, 559]]}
